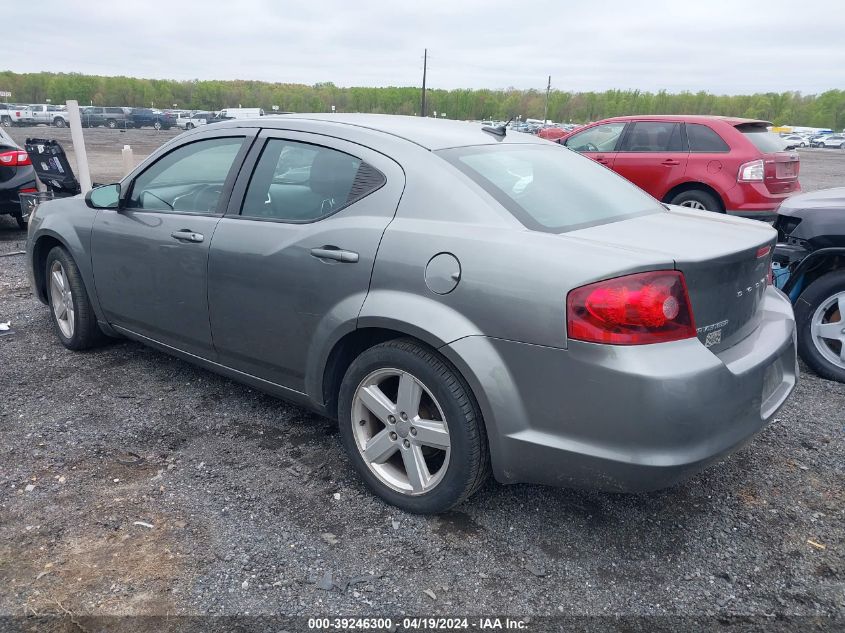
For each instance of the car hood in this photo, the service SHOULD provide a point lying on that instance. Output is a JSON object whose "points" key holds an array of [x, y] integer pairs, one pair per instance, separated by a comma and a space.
{"points": [[824, 199]]}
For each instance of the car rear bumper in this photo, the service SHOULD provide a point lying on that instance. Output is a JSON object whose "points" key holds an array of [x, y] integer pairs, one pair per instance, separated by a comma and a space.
{"points": [[627, 418], [754, 200]]}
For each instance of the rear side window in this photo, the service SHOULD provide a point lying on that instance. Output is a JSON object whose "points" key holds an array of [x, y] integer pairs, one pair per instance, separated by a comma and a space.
{"points": [[299, 182], [549, 188], [767, 142], [704, 139], [653, 136]]}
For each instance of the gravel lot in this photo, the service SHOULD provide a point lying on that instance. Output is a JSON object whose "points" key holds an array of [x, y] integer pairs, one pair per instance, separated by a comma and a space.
{"points": [[134, 483]]}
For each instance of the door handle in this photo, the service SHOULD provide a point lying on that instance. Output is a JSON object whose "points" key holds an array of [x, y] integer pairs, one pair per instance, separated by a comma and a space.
{"points": [[335, 253], [186, 235], [670, 162]]}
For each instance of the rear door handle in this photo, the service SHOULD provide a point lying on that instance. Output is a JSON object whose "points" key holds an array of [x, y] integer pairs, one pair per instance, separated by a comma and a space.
{"points": [[336, 254], [671, 162], [186, 235]]}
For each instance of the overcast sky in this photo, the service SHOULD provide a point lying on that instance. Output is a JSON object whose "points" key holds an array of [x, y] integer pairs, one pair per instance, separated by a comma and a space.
{"points": [[722, 46]]}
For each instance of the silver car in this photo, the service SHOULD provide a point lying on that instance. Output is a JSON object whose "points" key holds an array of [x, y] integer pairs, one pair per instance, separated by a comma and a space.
{"points": [[461, 299]]}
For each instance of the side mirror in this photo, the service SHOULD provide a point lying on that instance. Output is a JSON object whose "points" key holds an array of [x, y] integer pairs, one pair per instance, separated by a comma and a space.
{"points": [[105, 197]]}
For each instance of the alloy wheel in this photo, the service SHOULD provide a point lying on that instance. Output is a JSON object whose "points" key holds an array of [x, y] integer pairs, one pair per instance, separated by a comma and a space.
{"points": [[827, 328], [61, 299], [400, 431], [693, 204]]}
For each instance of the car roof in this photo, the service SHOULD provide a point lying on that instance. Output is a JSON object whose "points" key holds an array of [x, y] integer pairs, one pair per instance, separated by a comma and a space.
{"points": [[431, 133], [692, 118]]}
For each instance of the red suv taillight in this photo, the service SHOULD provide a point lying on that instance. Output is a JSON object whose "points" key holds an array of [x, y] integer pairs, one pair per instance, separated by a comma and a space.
{"points": [[14, 158], [637, 309], [752, 172]]}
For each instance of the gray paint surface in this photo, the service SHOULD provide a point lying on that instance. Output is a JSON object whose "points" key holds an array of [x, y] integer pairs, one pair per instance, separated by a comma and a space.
{"points": [[253, 303]]}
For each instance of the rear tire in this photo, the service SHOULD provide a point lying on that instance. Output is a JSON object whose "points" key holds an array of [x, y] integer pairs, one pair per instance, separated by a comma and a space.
{"points": [[821, 304], [449, 438], [6, 122], [111, 124], [697, 199], [70, 309], [189, 126], [59, 122], [157, 125]]}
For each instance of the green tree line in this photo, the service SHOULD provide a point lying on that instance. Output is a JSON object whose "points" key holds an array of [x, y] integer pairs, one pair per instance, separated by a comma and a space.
{"points": [[823, 110]]}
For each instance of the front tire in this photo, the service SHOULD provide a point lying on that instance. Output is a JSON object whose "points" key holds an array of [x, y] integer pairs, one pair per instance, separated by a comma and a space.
{"points": [[70, 309], [59, 122], [697, 199], [820, 318], [111, 124], [7, 122], [412, 428]]}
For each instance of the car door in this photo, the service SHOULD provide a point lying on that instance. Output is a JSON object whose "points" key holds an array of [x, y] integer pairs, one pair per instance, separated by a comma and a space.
{"points": [[290, 263], [653, 156], [150, 257], [598, 142]]}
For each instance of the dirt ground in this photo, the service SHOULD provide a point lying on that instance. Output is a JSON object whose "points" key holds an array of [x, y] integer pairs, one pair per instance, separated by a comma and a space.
{"points": [[132, 483]]}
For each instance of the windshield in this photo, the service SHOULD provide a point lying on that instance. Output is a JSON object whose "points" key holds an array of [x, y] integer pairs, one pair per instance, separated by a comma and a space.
{"points": [[551, 188], [767, 142]]}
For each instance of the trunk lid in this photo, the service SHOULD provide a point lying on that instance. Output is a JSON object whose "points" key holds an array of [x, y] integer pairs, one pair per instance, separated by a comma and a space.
{"points": [[725, 262]]}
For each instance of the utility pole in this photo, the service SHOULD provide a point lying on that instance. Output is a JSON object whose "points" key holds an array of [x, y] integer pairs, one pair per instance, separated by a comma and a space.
{"points": [[546, 110], [425, 66]]}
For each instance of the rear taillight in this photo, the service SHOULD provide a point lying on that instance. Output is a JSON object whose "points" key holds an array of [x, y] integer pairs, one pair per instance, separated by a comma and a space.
{"points": [[14, 158], [752, 172], [650, 307]]}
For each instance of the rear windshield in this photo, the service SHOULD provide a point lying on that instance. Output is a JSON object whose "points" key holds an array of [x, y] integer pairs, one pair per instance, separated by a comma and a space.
{"points": [[551, 188], [767, 142]]}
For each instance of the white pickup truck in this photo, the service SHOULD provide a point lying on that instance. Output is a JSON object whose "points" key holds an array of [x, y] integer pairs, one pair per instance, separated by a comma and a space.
{"points": [[7, 113], [41, 114]]}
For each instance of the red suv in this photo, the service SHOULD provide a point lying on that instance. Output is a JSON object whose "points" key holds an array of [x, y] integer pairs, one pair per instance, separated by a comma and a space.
{"points": [[715, 163]]}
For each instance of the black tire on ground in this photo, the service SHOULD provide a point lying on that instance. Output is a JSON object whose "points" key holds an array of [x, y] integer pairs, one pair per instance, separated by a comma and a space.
{"points": [[21, 222], [842, 146], [59, 122], [157, 125], [6, 122], [111, 124], [805, 308], [86, 332], [469, 462], [697, 198], [189, 126]]}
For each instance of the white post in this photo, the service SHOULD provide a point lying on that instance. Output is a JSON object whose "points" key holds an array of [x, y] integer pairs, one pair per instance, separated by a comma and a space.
{"points": [[128, 159], [79, 145]]}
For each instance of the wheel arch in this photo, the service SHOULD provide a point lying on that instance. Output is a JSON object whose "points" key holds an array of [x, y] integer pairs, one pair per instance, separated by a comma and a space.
{"points": [[815, 265], [41, 248], [693, 185]]}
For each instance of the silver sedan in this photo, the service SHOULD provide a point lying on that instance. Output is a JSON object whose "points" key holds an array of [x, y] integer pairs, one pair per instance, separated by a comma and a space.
{"points": [[463, 300]]}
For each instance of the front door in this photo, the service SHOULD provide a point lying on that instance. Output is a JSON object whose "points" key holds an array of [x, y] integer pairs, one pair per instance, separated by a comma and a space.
{"points": [[653, 155], [291, 260], [150, 258]]}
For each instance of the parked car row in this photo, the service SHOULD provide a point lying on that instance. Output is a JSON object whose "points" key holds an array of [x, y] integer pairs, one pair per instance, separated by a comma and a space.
{"points": [[118, 117]]}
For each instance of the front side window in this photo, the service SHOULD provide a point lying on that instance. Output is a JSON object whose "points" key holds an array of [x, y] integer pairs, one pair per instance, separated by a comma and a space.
{"points": [[189, 179], [551, 189], [299, 182], [653, 136], [602, 138]]}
